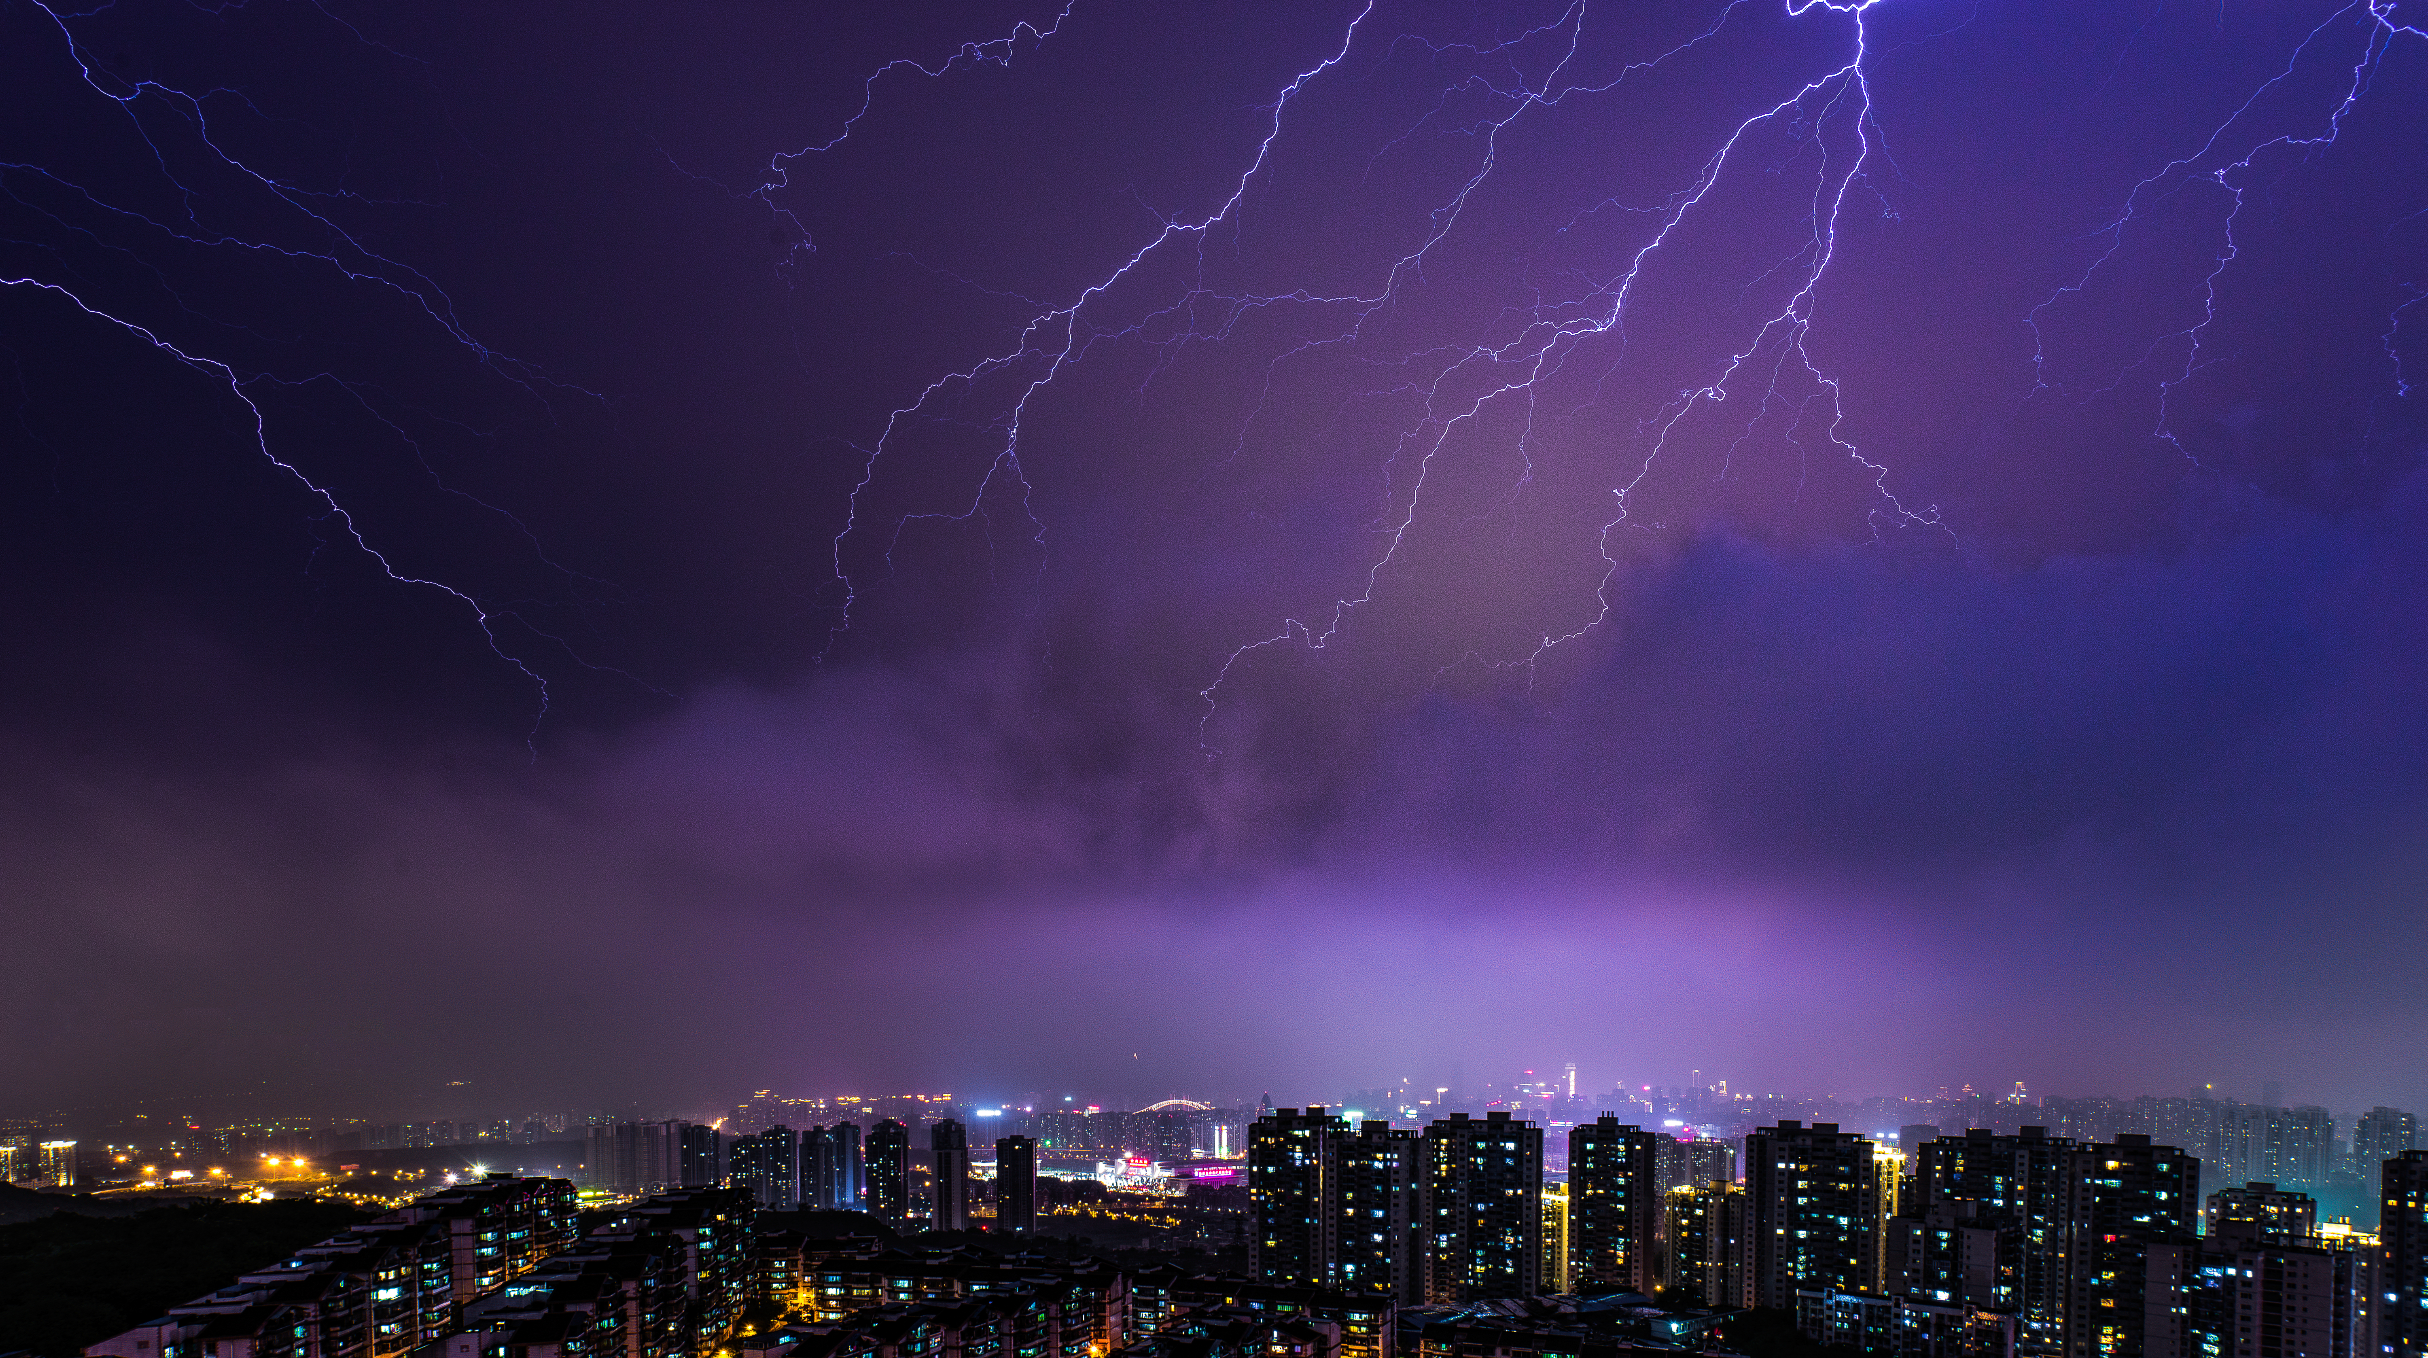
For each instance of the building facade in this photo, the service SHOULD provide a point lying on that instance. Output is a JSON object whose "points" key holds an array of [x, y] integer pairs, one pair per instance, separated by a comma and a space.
{"points": [[1293, 1221], [1372, 1185], [831, 1177], [1016, 1185], [2402, 1230], [2380, 1135], [2123, 1197], [949, 1149], [2261, 1211], [1481, 1229], [1813, 1194], [380, 1290], [1616, 1203], [888, 1163], [1707, 1244]]}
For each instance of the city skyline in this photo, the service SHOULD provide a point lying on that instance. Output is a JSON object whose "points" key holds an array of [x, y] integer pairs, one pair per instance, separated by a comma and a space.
{"points": [[1547, 1088], [607, 558], [1339, 1238]]}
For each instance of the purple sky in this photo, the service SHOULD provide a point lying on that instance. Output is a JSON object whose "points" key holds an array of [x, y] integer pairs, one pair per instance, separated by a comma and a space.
{"points": [[1849, 551]]}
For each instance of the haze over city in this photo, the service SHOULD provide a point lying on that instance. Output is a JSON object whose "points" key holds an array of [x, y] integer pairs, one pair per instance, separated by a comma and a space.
{"points": [[581, 557]]}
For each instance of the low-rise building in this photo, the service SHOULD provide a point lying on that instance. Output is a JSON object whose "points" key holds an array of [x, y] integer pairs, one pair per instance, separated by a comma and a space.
{"points": [[380, 1290]]}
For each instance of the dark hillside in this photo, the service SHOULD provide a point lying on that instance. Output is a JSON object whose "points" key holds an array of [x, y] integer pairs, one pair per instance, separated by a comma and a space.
{"points": [[69, 1280]]}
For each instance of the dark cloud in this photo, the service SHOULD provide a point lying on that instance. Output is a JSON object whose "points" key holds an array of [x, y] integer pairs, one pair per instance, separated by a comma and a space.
{"points": [[2036, 639]]}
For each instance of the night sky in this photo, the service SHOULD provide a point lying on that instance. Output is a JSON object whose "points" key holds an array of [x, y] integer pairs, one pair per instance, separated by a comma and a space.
{"points": [[636, 552]]}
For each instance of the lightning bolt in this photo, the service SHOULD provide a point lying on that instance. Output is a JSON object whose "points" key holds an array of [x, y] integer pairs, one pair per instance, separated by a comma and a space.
{"points": [[2224, 161], [1763, 375], [1771, 378], [1054, 340], [1843, 91], [189, 115], [236, 384], [990, 52], [1051, 342]]}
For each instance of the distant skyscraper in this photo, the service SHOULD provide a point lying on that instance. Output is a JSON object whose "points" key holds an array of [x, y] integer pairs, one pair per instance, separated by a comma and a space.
{"points": [[1482, 1224], [1692, 1160], [830, 1168], [1170, 1137], [1290, 1169], [2380, 1135], [949, 1144], [633, 1158], [1016, 1185], [2402, 1231], [1814, 1196], [743, 1167], [699, 1156], [2257, 1142], [598, 1154], [55, 1164], [851, 1182], [1615, 1203], [780, 1168], [889, 1171]]}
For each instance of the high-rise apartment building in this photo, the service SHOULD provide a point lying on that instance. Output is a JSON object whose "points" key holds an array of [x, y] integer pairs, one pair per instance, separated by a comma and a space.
{"points": [[830, 1168], [2264, 1212], [1016, 1185], [2363, 1260], [701, 1157], [2402, 1231], [2074, 1249], [1615, 1203], [2380, 1135], [2293, 1146], [1294, 1221], [1814, 1195], [1556, 1275], [1334, 1207], [1693, 1160], [632, 1158], [1169, 1136], [889, 1171], [1706, 1240], [1989, 1228], [2261, 1284], [949, 1149], [2124, 1197], [55, 1164], [1373, 1184], [747, 1166], [780, 1168], [1481, 1227]]}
